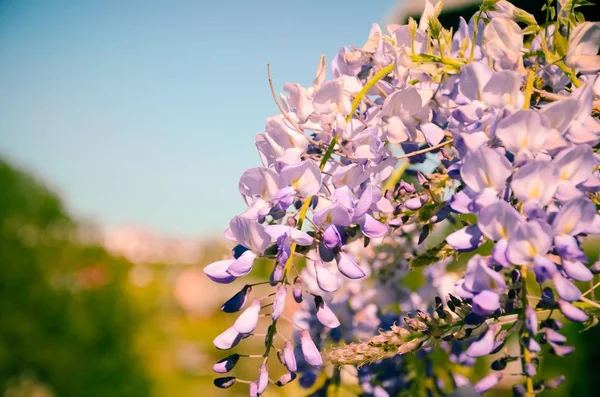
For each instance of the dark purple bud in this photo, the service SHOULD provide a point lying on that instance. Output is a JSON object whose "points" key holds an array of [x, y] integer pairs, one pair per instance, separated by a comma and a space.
{"points": [[225, 382], [285, 379], [547, 300], [309, 350], [238, 250], [325, 315], [441, 214], [279, 302], [314, 201], [474, 319], [263, 379], [424, 234], [499, 364], [237, 301], [515, 276], [519, 391], [289, 359], [226, 364], [438, 302], [297, 289], [326, 254]]}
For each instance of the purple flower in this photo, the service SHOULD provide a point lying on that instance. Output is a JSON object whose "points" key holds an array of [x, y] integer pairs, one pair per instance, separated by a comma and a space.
{"points": [[503, 40], [486, 302], [465, 239], [305, 177], [479, 277], [530, 240], [535, 181], [485, 169], [523, 131]]}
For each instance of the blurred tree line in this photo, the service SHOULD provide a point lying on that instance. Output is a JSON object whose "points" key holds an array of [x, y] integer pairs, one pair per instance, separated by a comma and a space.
{"points": [[66, 325]]}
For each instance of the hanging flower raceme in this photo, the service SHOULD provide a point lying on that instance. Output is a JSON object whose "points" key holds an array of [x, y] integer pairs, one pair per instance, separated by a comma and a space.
{"points": [[425, 146]]}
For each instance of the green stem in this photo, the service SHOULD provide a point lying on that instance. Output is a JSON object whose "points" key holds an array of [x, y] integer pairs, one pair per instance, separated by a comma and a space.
{"points": [[529, 88], [525, 353]]}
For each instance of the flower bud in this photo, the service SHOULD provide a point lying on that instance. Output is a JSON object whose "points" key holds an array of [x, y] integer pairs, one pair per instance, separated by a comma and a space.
{"points": [[279, 302], [225, 382], [488, 382], [309, 350], [228, 339], [326, 279], [285, 379], [237, 301], [226, 364], [248, 320], [263, 379], [253, 389], [325, 315], [289, 359], [297, 289]]}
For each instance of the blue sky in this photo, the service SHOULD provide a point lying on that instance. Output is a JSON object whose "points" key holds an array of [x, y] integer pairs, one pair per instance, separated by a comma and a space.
{"points": [[144, 112]]}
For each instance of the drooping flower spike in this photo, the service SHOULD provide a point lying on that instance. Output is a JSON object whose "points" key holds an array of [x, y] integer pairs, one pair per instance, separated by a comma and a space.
{"points": [[468, 157]]}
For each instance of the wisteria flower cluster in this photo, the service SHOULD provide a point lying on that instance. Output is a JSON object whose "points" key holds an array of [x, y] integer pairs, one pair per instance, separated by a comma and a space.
{"points": [[469, 159]]}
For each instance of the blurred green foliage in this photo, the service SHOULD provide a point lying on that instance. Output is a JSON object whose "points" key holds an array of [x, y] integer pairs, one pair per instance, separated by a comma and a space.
{"points": [[66, 326]]}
